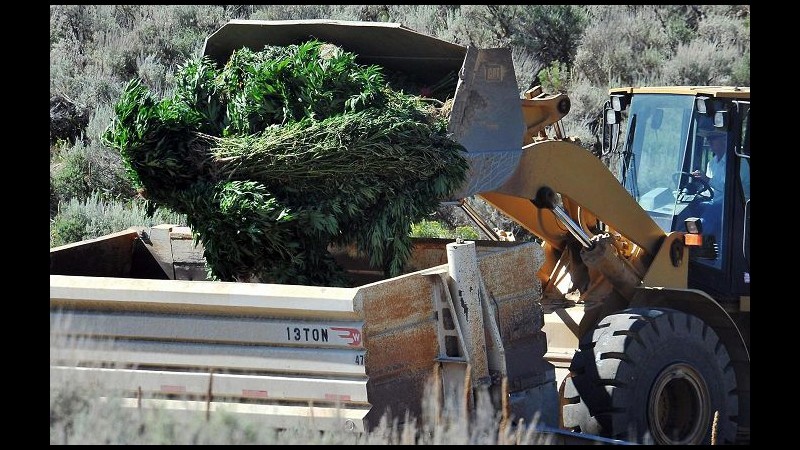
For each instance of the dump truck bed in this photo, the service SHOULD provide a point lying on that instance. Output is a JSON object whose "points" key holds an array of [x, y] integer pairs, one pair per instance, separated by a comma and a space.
{"points": [[287, 354]]}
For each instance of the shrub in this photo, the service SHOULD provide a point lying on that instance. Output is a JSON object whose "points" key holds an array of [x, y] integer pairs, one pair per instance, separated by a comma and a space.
{"points": [[298, 12], [436, 229], [701, 63], [94, 49], [527, 66], [622, 45], [79, 170], [70, 174], [471, 25], [97, 216], [76, 32], [432, 20], [429, 229], [720, 28], [466, 232], [68, 121], [68, 228], [553, 32], [555, 77], [741, 71], [586, 111]]}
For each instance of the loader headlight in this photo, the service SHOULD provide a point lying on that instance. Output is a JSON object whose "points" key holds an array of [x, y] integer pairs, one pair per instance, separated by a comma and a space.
{"points": [[693, 225], [704, 105], [618, 102], [694, 228], [721, 120]]}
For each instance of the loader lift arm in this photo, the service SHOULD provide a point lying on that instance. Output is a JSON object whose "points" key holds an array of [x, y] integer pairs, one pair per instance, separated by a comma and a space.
{"points": [[581, 179]]}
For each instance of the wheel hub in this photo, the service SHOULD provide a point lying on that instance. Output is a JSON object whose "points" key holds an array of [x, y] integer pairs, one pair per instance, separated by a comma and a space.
{"points": [[679, 409]]}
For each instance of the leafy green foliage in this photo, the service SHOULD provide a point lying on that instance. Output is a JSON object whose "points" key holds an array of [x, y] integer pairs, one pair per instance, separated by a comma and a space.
{"points": [[555, 77], [285, 151], [247, 233], [466, 232], [68, 228], [157, 141], [286, 84], [198, 88]]}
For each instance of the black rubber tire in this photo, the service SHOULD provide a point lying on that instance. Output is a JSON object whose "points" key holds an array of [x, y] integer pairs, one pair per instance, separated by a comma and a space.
{"points": [[642, 361]]}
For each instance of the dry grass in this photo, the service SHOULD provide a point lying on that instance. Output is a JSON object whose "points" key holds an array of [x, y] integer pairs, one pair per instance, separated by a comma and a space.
{"points": [[79, 415]]}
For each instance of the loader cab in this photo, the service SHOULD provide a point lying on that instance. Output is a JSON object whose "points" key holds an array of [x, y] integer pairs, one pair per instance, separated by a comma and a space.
{"points": [[685, 158]]}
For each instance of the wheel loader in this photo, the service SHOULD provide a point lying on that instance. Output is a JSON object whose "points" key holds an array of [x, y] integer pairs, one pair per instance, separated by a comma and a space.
{"points": [[647, 273], [626, 318]]}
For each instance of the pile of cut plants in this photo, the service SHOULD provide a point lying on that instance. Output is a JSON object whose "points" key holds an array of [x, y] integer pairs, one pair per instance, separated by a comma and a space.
{"points": [[285, 151]]}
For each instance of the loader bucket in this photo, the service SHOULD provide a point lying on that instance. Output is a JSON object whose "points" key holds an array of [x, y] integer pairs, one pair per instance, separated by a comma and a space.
{"points": [[486, 117]]}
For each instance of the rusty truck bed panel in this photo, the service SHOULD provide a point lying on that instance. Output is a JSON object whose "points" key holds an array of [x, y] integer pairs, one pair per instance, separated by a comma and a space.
{"points": [[371, 348]]}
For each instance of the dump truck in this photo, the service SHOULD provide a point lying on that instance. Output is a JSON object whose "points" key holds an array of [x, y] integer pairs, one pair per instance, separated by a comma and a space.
{"points": [[627, 318]]}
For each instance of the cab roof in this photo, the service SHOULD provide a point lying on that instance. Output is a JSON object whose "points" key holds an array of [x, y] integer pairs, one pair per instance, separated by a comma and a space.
{"points": [[740, 92]]}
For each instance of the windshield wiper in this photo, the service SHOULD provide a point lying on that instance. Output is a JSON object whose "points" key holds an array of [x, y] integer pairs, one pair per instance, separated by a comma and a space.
{"points": [[629, 160]]}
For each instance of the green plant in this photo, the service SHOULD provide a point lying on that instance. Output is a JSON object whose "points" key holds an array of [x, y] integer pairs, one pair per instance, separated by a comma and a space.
{"points": [[279, 85], [555, 77], [429, 229], [435, 229], [68, 228], [741, 71], [466, 232], [70, 174], [310, 139], [77, 220], [77, 171]]}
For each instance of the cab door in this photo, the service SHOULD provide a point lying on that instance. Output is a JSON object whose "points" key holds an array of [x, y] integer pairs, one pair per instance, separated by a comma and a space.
{"points": [[726, 274]]}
